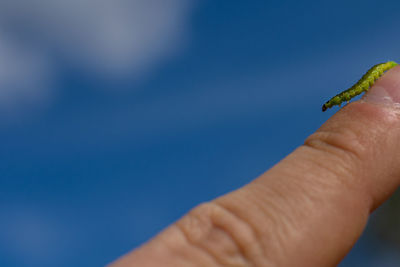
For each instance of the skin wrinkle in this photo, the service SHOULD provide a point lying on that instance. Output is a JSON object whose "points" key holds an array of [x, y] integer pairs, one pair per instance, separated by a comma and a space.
{"points": [[246, 245], [329, 170], [289, 207], [321, 189], [213, 213], [238, 242], [192, 244], [288, 229], [305, 188], [366, 154], [196, 242], [332, 179], [171, 242], [287, 226], [187, 252], [251, 249], [272, 242], [288, 213], [340, 144], [335, 176], [356, 185], [265, 211]]}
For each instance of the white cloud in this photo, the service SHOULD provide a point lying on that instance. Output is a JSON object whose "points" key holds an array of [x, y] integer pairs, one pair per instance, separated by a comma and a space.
{"points": [[111, 38], [24, 76]]}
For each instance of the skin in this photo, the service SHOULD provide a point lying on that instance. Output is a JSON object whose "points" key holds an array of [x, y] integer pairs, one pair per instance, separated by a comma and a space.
{"points": [[308, 210]]}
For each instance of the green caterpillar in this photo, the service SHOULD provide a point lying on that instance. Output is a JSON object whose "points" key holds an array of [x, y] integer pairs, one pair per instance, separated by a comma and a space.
{"points": [[362, 85]]}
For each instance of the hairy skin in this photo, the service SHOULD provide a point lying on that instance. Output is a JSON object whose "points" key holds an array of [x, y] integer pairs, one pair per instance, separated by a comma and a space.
{"points": [[308, 210]]}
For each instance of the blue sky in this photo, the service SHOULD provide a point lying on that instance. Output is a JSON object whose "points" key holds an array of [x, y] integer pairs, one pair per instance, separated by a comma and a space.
{"points": [[117, 117]]}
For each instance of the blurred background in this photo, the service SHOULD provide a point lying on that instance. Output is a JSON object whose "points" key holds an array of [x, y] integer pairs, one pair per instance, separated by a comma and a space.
{"points": [[117, 117]]}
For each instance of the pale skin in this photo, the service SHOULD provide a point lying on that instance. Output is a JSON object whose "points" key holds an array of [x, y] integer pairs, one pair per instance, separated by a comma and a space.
{"points": [[308, 210]]}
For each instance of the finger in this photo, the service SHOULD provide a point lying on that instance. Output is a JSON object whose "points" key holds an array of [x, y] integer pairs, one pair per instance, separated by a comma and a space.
{"points": [[309, 209]]}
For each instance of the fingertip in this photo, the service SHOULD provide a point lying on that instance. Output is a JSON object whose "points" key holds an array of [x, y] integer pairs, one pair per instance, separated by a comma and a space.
{"points": [[386, 90]]}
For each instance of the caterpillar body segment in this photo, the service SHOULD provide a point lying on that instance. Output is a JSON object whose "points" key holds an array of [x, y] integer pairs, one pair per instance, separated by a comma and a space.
{"points": [[363, 85]]}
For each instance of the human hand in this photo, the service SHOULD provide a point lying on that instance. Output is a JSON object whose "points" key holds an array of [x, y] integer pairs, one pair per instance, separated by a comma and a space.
{"points": [[309, 209]]}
